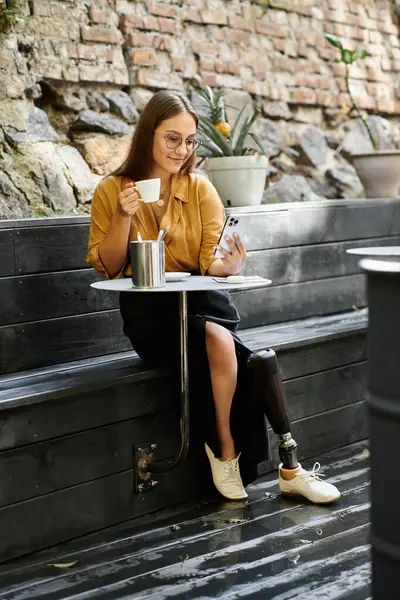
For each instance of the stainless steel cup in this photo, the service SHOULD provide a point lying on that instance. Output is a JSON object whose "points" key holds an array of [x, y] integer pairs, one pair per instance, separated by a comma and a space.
{"points": [[148, 264]]}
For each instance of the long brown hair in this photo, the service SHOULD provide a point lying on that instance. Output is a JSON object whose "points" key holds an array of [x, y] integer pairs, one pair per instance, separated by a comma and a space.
{"points": [[163, 105]]}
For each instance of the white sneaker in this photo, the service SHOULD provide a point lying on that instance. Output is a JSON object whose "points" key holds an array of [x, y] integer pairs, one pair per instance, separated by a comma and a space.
{"points": [[310, 485], [226, 476]]}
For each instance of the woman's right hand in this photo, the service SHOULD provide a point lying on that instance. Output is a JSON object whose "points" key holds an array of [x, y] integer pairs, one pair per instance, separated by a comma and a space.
{"points": [[128, 200]]}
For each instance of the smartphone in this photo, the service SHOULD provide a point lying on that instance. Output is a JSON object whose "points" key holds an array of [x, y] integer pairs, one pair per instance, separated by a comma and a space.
{"points": [[233, 224]]}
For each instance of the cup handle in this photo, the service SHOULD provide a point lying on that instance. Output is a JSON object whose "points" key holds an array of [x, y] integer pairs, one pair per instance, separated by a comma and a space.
{"points": [[136, 190]]}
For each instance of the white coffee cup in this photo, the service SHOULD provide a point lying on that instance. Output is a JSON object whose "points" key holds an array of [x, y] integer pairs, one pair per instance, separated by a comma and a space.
{"points": [[149, 189]]}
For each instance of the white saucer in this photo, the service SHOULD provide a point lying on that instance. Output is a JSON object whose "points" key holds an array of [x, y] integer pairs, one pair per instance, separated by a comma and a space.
{"points": [[171, 276]]}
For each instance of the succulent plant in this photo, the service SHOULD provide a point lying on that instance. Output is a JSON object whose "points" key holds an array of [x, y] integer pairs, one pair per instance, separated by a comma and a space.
{"points": [[215, 132]]}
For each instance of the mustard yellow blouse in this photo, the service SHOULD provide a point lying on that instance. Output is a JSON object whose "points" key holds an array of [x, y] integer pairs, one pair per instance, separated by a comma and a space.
{"points": [[195, 216]]}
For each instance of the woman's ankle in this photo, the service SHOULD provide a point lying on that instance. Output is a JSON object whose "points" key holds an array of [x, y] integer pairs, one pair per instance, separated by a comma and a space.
{"points": [[227, 449]]}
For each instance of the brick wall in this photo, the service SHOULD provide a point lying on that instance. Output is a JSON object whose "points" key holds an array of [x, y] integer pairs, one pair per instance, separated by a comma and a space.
{"points": [[75, 73], [276, 53]]}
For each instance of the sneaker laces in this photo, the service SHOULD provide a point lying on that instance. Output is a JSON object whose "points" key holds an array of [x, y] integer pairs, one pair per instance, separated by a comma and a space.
{"points": [[312, 475], [233, 466]]}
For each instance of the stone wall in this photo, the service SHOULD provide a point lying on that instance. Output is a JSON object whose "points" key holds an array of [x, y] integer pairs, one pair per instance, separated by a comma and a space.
{"points": [[75, 75]]}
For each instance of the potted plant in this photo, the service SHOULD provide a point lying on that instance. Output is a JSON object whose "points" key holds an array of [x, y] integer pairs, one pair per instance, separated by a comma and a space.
{"points": [[378, 170], [237, 170]]}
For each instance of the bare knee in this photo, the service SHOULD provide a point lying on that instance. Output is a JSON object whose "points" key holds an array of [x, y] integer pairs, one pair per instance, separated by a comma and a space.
{"points": [[219, 343]]}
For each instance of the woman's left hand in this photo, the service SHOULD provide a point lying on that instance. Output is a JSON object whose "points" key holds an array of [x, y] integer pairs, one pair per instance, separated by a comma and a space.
{"points": [[234, 259]]}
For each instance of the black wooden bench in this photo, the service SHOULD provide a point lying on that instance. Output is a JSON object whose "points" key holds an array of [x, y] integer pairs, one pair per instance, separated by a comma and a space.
{"points": [[75, 399]]}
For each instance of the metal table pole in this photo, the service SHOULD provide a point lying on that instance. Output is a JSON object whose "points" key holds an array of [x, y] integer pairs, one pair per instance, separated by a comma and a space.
{"points": [[144, 457]]}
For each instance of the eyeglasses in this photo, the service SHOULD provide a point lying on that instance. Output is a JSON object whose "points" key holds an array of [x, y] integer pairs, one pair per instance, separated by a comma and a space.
{"points": [[175, 141]]}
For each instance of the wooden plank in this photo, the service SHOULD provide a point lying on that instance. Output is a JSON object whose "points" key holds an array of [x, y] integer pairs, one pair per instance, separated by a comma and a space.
{"points": [[46, 245], [283, 336], [315, 223], [136, 391], [322, 356], [154, 532], [299, 300], [307, 263], [48, 296], [46, 467], [51, 248], [56, 464], [325, 391], [88, 507], [41, 343], [265, 541], [77, 412], [7, 263], [311, 330], [326, 431]]}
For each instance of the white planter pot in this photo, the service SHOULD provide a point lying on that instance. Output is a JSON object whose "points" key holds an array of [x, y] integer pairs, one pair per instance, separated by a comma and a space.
{"points": [[239, 180], [379, 172]]}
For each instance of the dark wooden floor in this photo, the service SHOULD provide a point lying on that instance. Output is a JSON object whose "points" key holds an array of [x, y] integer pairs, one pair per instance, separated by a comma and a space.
{"points": [[269, 547]]}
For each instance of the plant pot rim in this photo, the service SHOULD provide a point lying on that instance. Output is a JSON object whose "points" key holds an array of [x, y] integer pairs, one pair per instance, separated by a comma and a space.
{"points": [[376, 153], [254, 161]]}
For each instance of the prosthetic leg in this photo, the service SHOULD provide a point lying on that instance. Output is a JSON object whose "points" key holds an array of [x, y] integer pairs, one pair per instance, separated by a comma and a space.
{"points": [[269, 391]]}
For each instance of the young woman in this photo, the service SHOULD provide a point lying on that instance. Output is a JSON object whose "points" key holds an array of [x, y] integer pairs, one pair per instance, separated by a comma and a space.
{"points": [[227, 416]]}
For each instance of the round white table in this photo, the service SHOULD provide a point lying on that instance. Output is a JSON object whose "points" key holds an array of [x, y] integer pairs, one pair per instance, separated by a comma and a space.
{"points": [[195, 283], [375, 251]]}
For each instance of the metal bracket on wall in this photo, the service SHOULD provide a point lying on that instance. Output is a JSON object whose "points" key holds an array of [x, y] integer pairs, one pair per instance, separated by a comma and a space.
{"points": [[143, 456]]}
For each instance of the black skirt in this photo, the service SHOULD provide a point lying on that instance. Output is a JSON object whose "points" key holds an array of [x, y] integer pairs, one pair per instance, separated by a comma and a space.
{"points": [[151, 322]]}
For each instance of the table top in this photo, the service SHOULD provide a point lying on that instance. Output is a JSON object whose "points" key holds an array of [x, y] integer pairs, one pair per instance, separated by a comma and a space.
{"points": [[195, 283], [376, 251]]}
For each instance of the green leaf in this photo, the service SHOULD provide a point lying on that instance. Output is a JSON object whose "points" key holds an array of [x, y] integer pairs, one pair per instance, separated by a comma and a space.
{"points": [[237, 121], [333, 40], [347, 56], [63, 565], [363, 54], [176, 527], [258, 142], [244, 131]]}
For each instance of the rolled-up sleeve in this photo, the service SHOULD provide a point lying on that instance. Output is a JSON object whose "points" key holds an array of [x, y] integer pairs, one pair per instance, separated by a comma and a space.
{"points": [[212, 219], [101, 215]]}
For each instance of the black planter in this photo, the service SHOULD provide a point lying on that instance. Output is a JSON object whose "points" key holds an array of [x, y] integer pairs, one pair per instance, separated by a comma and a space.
{"points": [[383, 286]]}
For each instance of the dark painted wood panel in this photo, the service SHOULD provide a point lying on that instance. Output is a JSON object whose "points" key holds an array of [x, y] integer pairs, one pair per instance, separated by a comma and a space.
{"points": [[307, 263], [75, 413], [52, 295], [125, 367], [67, 514], [33, 345], [127, 395], [114, 559], [75, 459], [321, 356], [58, 464], [151, 531], [7, 263], [325, 391], [88, 507], [303, 224], [299, 300], [327, 431], [51, 248]]}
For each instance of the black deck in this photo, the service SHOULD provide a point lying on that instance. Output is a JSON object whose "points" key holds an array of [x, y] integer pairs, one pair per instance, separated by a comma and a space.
{"points": [[269, 547]]}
